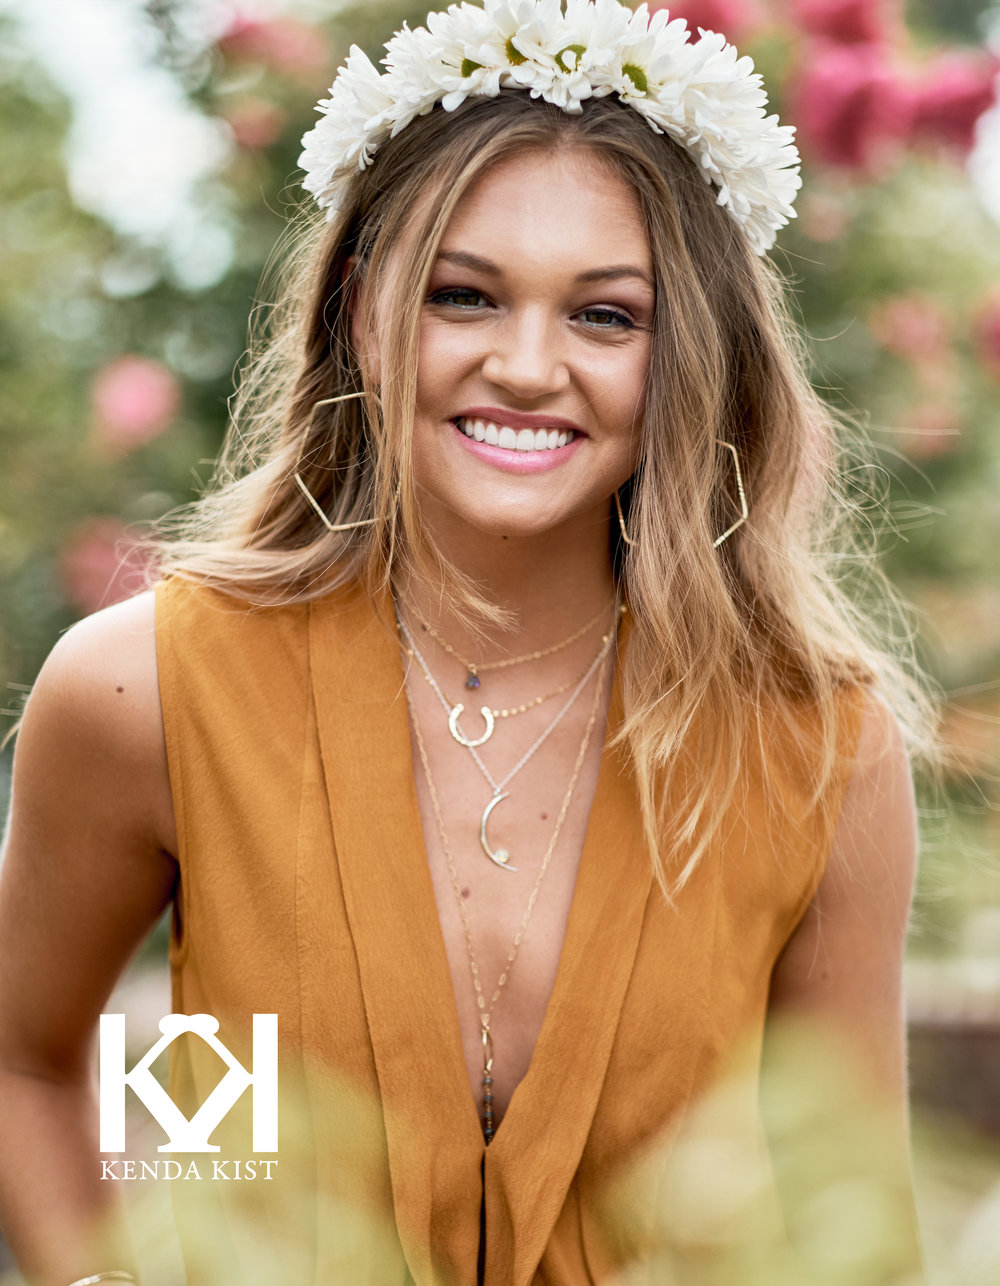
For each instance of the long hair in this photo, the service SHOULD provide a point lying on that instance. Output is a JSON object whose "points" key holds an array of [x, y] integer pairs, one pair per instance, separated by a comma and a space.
{"points": [[724, 641]]}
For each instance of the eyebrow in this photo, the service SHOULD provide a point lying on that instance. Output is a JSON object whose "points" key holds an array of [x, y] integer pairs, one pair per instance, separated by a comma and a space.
{"points": [[614, 272]]}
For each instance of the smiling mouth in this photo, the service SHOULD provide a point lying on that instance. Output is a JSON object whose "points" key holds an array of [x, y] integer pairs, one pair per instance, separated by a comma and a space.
{"points": [[508, 439]]}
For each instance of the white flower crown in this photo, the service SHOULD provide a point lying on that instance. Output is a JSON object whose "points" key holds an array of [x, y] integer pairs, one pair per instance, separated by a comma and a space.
{"points": [[699, 92]]}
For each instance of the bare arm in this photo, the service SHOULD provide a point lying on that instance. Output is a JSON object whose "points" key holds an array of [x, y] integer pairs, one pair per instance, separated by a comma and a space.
{"points": [[842, 973], [87, 869]]}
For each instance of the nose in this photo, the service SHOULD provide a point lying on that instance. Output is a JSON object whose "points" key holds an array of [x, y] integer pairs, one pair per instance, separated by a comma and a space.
{"points": [[526, 358]]}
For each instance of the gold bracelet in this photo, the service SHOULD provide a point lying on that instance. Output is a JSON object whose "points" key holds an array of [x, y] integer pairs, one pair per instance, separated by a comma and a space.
{"points": [[115, 1275]]}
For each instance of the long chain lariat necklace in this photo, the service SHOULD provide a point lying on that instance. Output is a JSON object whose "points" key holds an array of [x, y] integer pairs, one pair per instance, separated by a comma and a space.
{"points": [[475, 669], [501, 856], [486, 1014]]}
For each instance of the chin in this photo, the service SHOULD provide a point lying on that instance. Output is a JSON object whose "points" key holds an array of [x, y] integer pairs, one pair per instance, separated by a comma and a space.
{"points": [[509, 525], [468, 520]]}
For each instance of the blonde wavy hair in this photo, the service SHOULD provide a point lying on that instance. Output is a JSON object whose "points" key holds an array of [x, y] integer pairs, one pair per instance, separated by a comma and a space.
{"points": [[724, 642]]}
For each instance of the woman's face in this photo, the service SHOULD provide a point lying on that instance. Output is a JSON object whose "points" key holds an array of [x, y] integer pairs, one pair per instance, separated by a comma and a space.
{"points": [[534, 348]]}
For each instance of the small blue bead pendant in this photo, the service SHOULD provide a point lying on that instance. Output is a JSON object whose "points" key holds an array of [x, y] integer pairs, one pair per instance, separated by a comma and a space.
{"points": [[472, 680]]}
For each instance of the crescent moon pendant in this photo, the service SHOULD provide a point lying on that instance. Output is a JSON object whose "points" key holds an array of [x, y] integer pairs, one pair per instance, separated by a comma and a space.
{"points": [[501, 857], [457, 733]]}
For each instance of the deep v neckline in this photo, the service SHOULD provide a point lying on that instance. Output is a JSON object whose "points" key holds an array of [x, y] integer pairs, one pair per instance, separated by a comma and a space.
{"points": [[434, 1139]]}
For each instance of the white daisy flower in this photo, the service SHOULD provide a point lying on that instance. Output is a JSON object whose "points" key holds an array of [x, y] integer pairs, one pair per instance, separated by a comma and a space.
{"points": [[699, 92], [521, 33]]}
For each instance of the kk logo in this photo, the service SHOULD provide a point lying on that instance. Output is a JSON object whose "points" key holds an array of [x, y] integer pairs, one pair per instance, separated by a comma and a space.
{"points": [[192, 1135]]}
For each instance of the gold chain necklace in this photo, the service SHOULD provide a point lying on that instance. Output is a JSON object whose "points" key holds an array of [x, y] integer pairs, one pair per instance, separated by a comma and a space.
{"points": [[474, 670], [501, 856], [455, 710], [485, 1015]]}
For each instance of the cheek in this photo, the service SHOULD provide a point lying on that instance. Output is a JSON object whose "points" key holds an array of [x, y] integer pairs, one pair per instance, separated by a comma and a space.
{"points": [[629, 405], [429, 362], [618, 385], [443, 356]]}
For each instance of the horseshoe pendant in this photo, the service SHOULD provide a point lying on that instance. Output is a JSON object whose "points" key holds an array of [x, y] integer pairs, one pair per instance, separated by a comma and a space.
{"points": [[457, 733], [501, 857]]}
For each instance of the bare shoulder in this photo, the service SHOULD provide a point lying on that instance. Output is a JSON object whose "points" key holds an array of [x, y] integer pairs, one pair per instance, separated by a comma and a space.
{"points": [[844, 962], [88, 860], [875, 844], [93, 719], [116, 646]]}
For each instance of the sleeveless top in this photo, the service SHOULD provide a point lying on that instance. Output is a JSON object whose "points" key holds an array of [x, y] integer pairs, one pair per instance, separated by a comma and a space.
{"points": [[304, 891]]}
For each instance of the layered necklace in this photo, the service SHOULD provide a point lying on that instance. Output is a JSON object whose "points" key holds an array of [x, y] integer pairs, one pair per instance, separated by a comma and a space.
{"points": [[486, 1010], [501, 856], [472, 681]]}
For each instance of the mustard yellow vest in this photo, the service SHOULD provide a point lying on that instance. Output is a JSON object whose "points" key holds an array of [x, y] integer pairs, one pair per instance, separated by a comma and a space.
{"points": [[305, 892]]}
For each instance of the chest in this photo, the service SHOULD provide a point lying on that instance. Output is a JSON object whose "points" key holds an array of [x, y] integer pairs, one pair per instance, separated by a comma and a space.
{"points": [[312, 889], [316, 886], [503, 920]]}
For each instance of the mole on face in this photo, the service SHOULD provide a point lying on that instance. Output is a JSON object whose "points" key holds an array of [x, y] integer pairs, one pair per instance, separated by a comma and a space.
{"points": [[465, 893], [119, 689]]}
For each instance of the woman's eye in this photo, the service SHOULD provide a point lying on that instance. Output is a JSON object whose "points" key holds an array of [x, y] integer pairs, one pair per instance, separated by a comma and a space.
{"points": [[606, 318], [459, 297]]}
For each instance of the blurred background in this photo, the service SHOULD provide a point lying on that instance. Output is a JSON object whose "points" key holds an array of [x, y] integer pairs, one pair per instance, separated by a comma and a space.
{"points": [[148, 168]]}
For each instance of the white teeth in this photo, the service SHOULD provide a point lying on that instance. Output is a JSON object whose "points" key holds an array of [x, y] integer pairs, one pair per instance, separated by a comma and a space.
{"points": [[508, 439]]}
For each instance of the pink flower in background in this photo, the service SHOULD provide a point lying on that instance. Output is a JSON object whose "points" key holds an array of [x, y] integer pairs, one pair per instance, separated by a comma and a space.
{"points": [[823, 216], [988, 333], [733, 18], [913, 326], [100, 565], [850, 22], [852, 108], [134, 400], [255, 123], [929, 430], [284, 44], [955, 90]]}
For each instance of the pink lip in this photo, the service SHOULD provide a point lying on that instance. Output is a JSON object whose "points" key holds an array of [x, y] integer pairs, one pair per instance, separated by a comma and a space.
{"points": [[518, 461], [517, 419]]}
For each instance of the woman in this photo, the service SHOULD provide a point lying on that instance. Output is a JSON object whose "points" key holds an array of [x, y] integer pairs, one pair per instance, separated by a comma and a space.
{"points": [[498, 722]]}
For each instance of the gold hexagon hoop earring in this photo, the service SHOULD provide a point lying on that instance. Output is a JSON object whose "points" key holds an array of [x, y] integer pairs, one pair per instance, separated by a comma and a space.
{"points": [[314, 503], [621, 521], [744, 509]]}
